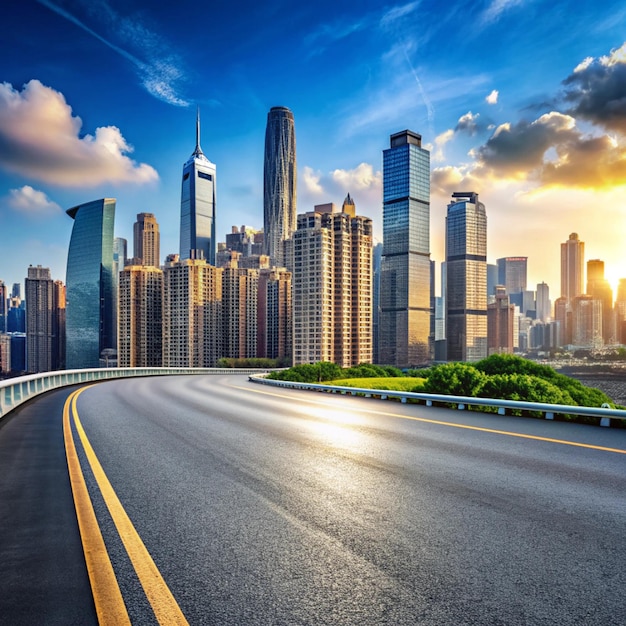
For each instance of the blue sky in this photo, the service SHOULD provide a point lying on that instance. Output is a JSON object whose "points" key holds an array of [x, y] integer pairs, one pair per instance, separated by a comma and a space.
{"points": [[521, 101]]}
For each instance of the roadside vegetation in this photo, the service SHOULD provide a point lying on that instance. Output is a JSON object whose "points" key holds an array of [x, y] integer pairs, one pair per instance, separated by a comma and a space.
{"points": [[502, 376]]}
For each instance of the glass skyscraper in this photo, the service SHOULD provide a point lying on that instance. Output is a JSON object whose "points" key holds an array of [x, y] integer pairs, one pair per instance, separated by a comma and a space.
{"points": [[279, 184], [90, 315], [466, 280], [405, 329], [197, 206]]}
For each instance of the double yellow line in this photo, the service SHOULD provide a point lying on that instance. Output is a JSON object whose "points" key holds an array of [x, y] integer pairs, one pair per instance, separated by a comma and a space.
{"points": [[110, 606]]}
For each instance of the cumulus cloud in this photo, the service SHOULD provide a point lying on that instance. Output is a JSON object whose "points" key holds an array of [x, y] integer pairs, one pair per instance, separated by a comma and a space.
{"points": [[27, 200], [553, 152], [492, 98], [363, 183], [159, 69], [40, 138], [468, 123], [596, 90]]}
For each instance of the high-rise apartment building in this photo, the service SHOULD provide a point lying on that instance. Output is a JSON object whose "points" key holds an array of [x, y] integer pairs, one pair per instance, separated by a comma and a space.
{"points": [[58, 325], [620, 312], [405, 288], [197, 206], [279, 185], [332, 287], [90, 317], [5, 353], [600, 288], [274, 311], [586, 321], [466, 285], [240, 289], [192, 313], [140, 324], [572, 267], [512, 273], [147, 240]]}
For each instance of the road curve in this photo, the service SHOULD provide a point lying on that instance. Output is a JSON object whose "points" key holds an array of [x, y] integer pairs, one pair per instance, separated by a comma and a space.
{"points": [[274, 506]]}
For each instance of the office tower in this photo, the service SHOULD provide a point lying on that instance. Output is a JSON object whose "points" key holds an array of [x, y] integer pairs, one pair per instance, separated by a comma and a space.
{"points": [[147, 240], [405, 318], [240, 289], [572, 267], [16, 291], [197, 206], [332, 287], [192, 313], [245, 240], [18, 352], [466, 292], [279, 185], [492, 281], [274, 314], [39, 292], [599, 288], [563, 316], [90, 317], [543, 306], [500, 318], [4, 298], [58, 325], [140, 327], [512, 272], [5, 353], [586, 321]]}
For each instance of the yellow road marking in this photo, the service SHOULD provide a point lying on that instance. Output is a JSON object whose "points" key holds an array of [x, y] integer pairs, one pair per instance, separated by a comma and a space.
{"points": [[452, 425], [163, 603], [110, 607]]}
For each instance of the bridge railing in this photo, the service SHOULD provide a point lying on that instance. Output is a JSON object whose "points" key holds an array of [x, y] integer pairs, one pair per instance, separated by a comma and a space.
{"points": [[15, 391], [604, 413]]}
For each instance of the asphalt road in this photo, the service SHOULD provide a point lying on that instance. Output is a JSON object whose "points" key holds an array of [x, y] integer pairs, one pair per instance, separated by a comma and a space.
{"points": [[271, 506]]}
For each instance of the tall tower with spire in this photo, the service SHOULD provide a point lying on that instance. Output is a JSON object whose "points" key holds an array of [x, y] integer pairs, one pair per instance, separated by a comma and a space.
{"points": [[197, 205]]}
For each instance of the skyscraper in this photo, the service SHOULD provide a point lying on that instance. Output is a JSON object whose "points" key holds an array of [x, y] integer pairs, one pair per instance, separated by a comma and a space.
{"points": [[599, 288], [197, 206], [572, 267], [466, 288], [274, 313], [4, 299], [512, 272], [147, 240], [500, 318], [90, 299], [543, 304], [279, 184], [39, 291], [405, 289]]}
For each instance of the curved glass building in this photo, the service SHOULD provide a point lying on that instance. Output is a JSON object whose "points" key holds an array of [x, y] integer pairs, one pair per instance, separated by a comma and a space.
{"points": [[279, 184], [197, 206], [90, 315]]}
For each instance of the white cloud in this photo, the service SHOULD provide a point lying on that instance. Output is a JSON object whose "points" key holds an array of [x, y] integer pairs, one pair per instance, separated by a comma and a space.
{"points": [[440, 141], [311, 180], [492, 98], [30, 201], [361, 177], [497, 7], [41, 139], [158, 68], [583, 65]]}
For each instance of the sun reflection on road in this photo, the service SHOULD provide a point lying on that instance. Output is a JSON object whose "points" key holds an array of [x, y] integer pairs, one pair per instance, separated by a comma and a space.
{"points": [[337, 428]]}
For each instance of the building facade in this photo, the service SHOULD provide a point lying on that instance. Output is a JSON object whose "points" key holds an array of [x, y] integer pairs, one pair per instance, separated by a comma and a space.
{"points": [[279, 185], [90, 315], [500, 320], [192, 313], [600, 288], [140, 322], [147, 240], [197, 206], [405, 285], [332, 287], [275, 318], [512, 273], [466, 284]]}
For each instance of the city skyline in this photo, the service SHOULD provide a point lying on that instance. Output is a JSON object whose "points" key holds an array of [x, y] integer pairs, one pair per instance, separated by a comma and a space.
{"points": [[513, 126]]}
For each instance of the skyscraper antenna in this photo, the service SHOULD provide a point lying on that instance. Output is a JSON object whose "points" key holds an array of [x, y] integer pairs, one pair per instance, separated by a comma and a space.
{"points": [[198, 149]]}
